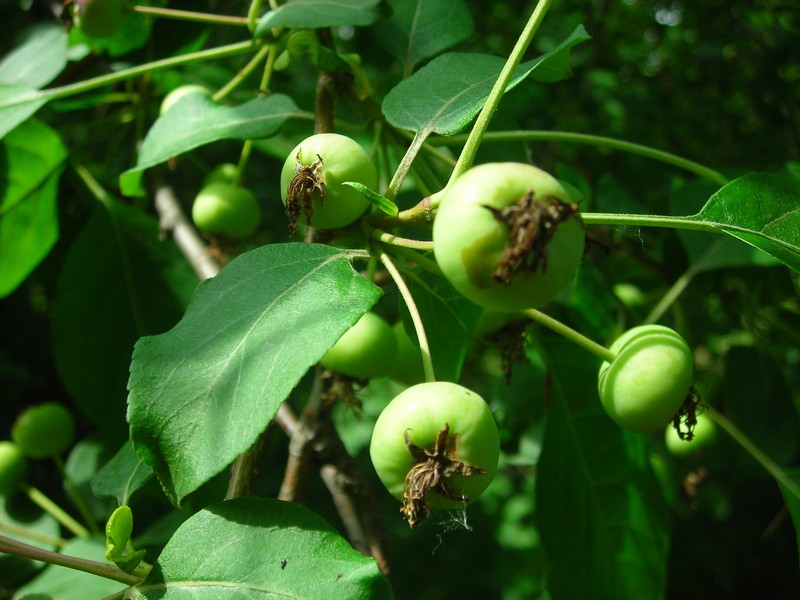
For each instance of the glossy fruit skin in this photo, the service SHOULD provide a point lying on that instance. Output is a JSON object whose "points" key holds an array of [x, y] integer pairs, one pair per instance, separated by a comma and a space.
{"points": [[647, 382], [225, 172], [423, 410], [365, 351], [225, 209], [705, 434], [343, 159], [179, 92], [13, 466], [469, 241], [43, 431], [98, 18]]}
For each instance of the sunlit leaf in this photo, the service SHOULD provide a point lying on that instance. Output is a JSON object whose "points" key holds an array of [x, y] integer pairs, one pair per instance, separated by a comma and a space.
{"points": [[201, 393], [17, 103], [39, 57], [197, 120], [313, 14], [446, 94], [260, 548], [32, 158]]}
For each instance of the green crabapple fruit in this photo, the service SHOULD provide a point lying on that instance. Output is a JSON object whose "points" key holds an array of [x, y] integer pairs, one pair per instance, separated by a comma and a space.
{"points": [[225, 172], [704, 434], [13, 466], [97, 18], [365, 351], [312, 181], [435, 445], [646, 384], [508, 236], [226, 209], [407, 367], [43, 431]]}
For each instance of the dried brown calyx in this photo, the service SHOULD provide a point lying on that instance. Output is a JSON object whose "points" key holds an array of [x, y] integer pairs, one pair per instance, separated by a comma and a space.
{"points": [[299, 195], [531, 225], [687, 415], [511, 342], [432, 472]]}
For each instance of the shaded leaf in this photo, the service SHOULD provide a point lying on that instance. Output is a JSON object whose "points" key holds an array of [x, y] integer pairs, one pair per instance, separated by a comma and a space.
{"points": [[17, 103], [313, 14], [599, 511], [38, 58], [260, 547], [762, 210], [414, 32], [446, 94], [121, 476], [31, 160], [792, 499], [201, 393], [197, 120], [118, 283], [448, 318]]}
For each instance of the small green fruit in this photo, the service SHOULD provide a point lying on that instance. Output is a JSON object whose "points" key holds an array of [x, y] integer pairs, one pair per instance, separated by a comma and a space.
{"points": [[13, 466], [97, 18], [367, 350], [408, 365], [43, 431], [705, 434], [225, 209]]}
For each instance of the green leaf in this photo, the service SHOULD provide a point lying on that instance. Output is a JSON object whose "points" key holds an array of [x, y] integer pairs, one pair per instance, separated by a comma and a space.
{"points": [[15, 570], [259, 547], [313, 14], [447, 93], [69, 584], [305, 43], [415, 33], [17, 103], [118, 283], [383, 203], [38, 58], [32, 156], [81, 465], [448, 318], [197, 120], [121, 476], [762, 210], [201, 393], [601, 517]]}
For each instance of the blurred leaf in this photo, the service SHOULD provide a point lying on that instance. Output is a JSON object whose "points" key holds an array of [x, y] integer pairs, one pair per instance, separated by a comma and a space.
{"points": [[118, 282], [414, 32], [69, 584], [31, 160], [83, 461], [121, 476], [305, 43], [599, 511], [448, 318], [762, 210], [201, 393], [314, 14], [17, 103], [446, 94], [197, 120], [15, 570], [260, 547], [39, 57], [793, 500]]}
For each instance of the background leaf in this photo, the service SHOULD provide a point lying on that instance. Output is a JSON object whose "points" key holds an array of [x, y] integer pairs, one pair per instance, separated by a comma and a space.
{"points": [[121, 476], [793, 501], [201, 393], [118, 283], [31, 159], [762, 210], [599, 511], [414, 32], [260, 547], [17, 103], [313, 14], [196, 120], [39, 57], [448, 318], [447, 93]]}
